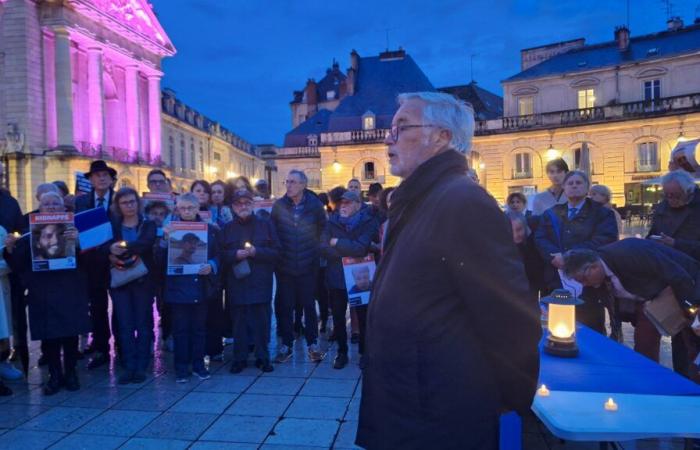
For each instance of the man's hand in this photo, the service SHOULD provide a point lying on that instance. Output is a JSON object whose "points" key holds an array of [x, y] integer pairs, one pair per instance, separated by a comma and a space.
{"points": [[333, 242], [251, 251], [204, 269], [241, 254], [10, 241], [117, 249], [557, 260], [71, 234], [667, 240]]}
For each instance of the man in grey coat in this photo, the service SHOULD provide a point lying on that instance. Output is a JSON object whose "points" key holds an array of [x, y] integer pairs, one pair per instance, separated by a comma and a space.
{"points": [[452, 332]]}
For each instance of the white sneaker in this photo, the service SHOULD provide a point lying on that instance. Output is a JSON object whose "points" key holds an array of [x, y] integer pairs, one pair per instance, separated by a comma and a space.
{"points": [[228, 341], [9, 372], [284, 354]]}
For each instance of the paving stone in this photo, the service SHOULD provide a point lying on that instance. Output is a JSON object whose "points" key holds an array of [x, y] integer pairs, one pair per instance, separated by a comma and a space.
{"points": [[86, 442], [353, 412], [309, 432], [260, 405], [118, 423], [28, 439], [318, 408], [204, 402], [151, 400], [97, 397], [12, 416], [276, 386], [321, 387], [291, 370], [208, 445], [61, 418], [37, 397], [243, 429], [172, 425], [226, 383], [290, 447], [346, 435], [349, 372], [155, 444]]}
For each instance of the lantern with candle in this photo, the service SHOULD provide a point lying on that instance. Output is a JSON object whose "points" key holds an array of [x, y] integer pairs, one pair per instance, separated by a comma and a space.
{"points": [[561, 323]]}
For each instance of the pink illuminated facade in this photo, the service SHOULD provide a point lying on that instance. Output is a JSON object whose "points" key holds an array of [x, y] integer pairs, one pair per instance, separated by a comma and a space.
{"points": [[79, 79]]}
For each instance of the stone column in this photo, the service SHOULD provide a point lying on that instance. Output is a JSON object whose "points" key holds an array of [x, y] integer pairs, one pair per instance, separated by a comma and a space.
{"points": [[133, 121], [96, 98], [64, 90], [154, 118]]}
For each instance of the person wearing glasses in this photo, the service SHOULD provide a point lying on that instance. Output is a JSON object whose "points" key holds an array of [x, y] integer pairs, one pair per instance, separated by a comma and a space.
{"points": [[158, 182], [133, 240], [676, 224], [449, 273], [299, 218]]}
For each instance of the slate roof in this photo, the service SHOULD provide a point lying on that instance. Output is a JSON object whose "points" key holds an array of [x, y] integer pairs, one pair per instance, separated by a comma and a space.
{"points": [[377, 84], [486, 104], [642, 48]]}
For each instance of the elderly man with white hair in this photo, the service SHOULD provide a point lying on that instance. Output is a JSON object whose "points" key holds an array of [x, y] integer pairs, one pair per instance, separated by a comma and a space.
{"points": [[676, 223], [452, 332]]}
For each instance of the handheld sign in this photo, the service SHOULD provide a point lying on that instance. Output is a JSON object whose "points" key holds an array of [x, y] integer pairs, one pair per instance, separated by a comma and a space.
{"points": [[187, 247], [51, 248], [94, 227], [359, 273]]}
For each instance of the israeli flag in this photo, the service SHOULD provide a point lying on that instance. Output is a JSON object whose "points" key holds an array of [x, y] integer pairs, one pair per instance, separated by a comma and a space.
{"points": [[94, 228]]}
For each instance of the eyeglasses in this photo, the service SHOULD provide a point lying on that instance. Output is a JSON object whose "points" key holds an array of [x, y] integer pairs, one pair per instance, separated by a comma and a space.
{"points": [[393, 133], [291, 182], [187, 208], [157, 181]]}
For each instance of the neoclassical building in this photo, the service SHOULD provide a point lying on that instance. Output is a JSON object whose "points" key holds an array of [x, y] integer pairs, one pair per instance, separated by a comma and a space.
{"points": [[81, 79], [615, 109]]}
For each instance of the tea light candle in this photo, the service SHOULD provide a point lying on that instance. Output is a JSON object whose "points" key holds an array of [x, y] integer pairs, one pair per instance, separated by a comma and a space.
{"points": [[610, 405], [247, 245], [16, 234], [122, 244], [543, 391]]}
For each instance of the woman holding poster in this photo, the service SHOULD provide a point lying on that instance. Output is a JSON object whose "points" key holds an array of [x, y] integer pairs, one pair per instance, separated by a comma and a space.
{"points": [[348, 233], [132, 295], [190, 249], [54, 317]]}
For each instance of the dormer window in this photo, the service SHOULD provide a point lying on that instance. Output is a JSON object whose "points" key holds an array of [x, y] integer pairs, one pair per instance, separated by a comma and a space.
{"points": [[368, 121], [330, 95], [312, 140]]}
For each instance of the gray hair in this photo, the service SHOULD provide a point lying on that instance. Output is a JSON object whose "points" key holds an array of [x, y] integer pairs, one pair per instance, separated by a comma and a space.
{"points": [[683, 178], [577, 173], [578, 259], [515, 216], [53, 194], [445, 111], [44, 188], [302, 176], [602, 190], [188, 197]]}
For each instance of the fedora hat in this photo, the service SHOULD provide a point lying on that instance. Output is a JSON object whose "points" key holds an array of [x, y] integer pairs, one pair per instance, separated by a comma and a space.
{"points": [[100, 166]]}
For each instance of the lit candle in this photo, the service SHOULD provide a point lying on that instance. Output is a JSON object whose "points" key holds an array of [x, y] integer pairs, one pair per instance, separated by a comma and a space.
{"points": [[122, 244], [543, 391], [610, 405], [247, 245], [16, 234]]}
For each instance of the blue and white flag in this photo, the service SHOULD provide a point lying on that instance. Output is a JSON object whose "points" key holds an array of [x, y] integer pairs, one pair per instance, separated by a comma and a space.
{"points": [[94, 228]]}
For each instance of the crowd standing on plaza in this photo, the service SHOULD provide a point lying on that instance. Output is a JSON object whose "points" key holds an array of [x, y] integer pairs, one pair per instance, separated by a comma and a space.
{"points": [[452, 270]]}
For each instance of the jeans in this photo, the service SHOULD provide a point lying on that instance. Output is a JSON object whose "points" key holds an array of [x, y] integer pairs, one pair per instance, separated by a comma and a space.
{"points": [[52, 349], [189, 336], [133, 309], [246, 318], [301, 289]]}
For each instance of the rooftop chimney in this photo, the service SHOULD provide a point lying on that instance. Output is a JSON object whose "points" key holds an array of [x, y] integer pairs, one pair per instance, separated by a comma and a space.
{"points": [[311, 97], [674, 23], [392, 55], [622, 37], [354, 60]]}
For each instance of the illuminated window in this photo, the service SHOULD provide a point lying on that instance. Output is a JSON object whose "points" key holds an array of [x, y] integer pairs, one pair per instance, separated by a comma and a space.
{"points": [[368, 122], [525, 106], [368, 171], [522, 166], [647, 157], [586, 98]]}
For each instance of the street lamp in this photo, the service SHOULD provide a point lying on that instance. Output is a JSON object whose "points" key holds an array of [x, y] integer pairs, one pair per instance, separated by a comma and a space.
{"points": [[336, 166], [552, 153], [561, 323]]}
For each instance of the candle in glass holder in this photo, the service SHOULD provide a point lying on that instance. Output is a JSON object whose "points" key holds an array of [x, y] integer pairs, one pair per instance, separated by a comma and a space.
{"points": [[543, 391], [610, 405]]}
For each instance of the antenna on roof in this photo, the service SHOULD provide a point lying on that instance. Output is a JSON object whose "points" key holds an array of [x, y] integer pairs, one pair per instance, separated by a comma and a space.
{"points": [[628, 14], [669, 8], [387, 38], [471, 66]]}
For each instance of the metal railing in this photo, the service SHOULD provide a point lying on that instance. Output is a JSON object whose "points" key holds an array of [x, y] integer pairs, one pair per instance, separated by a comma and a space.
{"points": [[354, 137]]}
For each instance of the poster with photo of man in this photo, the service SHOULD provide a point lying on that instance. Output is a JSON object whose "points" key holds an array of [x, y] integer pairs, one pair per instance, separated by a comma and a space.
{"points": [[359, 273], [187, 247], [158, 207], [52, 237]]}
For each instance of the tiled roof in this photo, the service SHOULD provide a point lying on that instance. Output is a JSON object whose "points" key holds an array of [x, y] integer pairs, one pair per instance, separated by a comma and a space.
{"points": [[486, 104], [641, 48], [378, 83]]}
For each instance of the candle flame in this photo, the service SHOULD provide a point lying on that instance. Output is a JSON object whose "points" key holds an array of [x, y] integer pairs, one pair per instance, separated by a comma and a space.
{"points": [[561, 330], [247, 245]]}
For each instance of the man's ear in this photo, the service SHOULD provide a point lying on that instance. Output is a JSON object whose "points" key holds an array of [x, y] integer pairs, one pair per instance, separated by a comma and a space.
{"points": [[443, 138]]}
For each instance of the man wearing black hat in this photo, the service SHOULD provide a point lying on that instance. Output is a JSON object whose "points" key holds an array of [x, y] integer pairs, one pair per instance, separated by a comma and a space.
{"points": [[102, 178]]}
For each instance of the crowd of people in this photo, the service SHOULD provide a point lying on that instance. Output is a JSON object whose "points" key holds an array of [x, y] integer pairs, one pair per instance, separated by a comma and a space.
{"points": [[572, 234], [293, 249]]}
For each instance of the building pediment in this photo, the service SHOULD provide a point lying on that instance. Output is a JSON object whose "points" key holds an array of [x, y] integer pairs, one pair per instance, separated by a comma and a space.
{"points": [[134, 19], [526, 90], [585, 82], [651, 72]]}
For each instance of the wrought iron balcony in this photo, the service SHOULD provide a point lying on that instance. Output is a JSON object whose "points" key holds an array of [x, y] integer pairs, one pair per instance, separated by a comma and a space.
{"points": [[297, 152], [681, 104], [375, 136], [520, 175]]}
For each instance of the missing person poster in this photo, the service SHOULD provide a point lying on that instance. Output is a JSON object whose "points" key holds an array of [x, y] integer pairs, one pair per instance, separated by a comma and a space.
{"points": [[263, 205], [359, 273], [158, 207], [187, 247], [53, 247]]}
